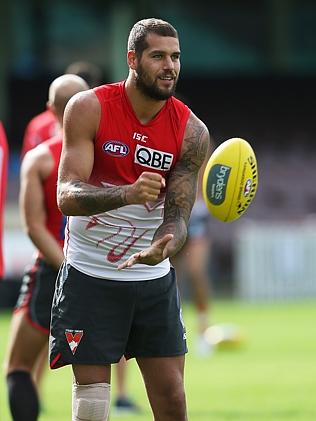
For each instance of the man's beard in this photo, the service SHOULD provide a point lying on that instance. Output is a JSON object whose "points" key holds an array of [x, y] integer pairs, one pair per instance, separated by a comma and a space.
{"points": [[151, 90]]}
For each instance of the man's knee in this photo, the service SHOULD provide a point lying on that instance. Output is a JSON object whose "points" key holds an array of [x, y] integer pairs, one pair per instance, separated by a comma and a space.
{"points": [[177, 401], [172, 406], [90, 402]]}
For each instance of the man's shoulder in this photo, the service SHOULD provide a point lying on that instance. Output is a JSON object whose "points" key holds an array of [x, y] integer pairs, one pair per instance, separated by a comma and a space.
{"points": [[196, 122], [109, 91]]}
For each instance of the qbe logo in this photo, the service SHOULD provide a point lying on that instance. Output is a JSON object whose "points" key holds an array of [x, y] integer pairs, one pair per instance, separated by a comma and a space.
{"points": [[153, 158]]}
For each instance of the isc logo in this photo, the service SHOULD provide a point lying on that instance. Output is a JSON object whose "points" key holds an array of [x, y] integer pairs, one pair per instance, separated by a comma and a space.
{"points": [[115, 148], [152, 158], [139, 136]]}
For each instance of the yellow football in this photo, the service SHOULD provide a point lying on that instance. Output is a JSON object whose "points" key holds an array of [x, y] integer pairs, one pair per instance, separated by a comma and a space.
{"points": [[224, 336], [230, 179]]}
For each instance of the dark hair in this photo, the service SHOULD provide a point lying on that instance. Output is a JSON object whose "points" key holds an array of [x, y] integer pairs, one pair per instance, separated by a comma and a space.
{"points": [[137, 37]]}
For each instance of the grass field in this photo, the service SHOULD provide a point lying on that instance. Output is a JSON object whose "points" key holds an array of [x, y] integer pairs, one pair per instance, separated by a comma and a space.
{"points": [[272, 377]]}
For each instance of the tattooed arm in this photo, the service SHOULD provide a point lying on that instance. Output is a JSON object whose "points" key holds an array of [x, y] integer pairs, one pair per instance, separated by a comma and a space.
{"points": [[182, 185], [180, 197], [75, 195]]}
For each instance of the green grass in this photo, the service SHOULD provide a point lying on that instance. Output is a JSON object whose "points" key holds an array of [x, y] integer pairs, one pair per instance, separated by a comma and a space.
{"points": [[271, 377]]}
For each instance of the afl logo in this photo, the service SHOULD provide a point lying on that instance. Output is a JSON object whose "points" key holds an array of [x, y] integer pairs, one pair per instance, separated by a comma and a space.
{"points": [[247, 187], [115, 148]]}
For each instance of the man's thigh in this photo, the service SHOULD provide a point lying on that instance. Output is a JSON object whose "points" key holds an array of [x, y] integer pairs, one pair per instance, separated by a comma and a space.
{"points": [[162, 373], [26, 343]]}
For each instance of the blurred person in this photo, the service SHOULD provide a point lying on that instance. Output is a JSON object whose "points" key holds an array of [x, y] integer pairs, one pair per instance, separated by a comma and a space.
{"points": [[41, 128], [44, 223], [4, 160], [128, 204], [45, 125]]}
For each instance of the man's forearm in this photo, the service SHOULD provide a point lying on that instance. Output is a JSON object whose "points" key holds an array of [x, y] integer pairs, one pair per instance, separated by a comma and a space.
{"points": [[178, 228], [79, 198]]}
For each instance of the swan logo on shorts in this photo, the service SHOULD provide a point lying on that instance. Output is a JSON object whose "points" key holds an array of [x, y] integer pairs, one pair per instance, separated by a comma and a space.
{"points": [[115, 148], [73, 338], [152, 158]]}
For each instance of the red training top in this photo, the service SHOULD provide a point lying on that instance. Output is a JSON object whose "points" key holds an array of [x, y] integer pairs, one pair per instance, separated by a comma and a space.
{"points": [[124, 147], [40, 128], [4, 158], [55, 221]]}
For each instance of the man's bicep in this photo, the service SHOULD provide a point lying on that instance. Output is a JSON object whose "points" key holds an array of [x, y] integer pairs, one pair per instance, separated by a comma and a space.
{"points": [[196, 144], [76, 162], [182, 184], [78, 142]]}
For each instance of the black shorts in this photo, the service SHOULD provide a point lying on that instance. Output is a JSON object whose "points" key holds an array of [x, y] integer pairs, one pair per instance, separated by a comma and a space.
{"points": [[96, 321], [36, 294]]}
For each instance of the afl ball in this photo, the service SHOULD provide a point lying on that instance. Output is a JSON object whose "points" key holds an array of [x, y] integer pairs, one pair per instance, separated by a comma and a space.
{"points": [[230, 179]]}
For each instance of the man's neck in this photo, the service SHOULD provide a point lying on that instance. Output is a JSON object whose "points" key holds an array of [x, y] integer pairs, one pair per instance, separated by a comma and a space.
{"points": [[145, 108]]}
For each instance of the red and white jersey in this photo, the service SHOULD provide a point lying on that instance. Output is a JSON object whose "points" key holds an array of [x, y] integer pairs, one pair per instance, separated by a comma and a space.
{"points": [[40, 128], [55, 220], [124, 148], [4, 158]]}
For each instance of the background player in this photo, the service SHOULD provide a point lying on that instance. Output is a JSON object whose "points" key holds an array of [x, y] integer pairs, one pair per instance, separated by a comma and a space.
{"points": [[4, 159], [41, 127], [44, 224], [38, 130]]}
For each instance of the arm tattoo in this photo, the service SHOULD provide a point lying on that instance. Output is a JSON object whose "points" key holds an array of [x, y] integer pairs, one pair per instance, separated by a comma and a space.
{"points": [[182, 183], [86, 199]]}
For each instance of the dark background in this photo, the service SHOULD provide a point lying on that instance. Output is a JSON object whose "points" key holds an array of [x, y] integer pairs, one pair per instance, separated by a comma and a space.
{"points": [[248, 68]]}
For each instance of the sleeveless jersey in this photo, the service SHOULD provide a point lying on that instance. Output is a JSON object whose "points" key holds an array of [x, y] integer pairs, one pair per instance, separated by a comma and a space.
{"points": [[55, 221], [40, 128], [4, 158], [123, 149]]}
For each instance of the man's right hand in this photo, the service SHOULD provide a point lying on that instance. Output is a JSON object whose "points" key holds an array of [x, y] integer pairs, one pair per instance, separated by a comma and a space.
{"points": [[145, 189], [154, 254]]}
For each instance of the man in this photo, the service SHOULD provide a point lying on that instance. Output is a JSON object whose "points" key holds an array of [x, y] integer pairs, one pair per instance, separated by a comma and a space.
{"points": [[4, 159], [44, 224], [127, 181]]}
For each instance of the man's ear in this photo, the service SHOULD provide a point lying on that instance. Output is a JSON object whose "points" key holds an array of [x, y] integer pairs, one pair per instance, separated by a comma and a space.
{"points": [[51, 107], [131, 59]]}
